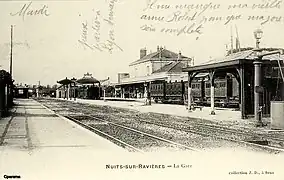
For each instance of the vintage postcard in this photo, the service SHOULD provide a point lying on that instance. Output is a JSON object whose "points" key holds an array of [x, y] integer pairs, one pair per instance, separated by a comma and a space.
{"points": [[141, 89]]}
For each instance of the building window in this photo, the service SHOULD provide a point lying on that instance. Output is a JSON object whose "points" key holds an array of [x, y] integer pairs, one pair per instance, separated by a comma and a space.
{"points": [[135, 73], [148, 70]]}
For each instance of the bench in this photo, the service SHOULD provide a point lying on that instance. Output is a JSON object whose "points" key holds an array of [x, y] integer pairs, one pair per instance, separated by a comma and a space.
{"points": [[195, 106]]}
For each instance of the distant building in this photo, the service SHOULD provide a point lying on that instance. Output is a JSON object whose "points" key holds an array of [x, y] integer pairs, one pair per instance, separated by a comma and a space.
{"points": [[22, 91], [162, 65], [160, 61], [121, 76]]}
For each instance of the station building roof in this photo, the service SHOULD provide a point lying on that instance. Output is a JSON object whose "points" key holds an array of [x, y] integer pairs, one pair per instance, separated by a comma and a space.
{"points": [[161, 54], [65, 81], [88, 79], [143, 79], [233, 59], [22, 87], [171, 69]]}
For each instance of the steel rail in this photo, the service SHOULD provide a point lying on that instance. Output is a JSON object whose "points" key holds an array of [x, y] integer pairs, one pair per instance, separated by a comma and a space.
{"points": [[219, 137], [102, 133], [144, 133]]}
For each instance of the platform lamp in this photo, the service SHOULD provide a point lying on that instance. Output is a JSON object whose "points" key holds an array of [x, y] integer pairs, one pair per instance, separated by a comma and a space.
{"points": [[257, 80], [258, 35]]}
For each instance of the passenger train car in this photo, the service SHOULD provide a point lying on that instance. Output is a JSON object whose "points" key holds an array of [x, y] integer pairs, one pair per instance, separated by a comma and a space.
{"points": [[226, 91]]}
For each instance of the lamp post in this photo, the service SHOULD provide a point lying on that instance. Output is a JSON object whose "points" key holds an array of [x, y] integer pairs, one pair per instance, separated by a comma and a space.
{"points": [[257, 81], [258, 35]]}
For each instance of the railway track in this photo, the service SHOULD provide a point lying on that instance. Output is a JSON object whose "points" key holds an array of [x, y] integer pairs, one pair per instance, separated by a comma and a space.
{"points": [[130, 138], [264, 141], [222, 130], [268, 137]]}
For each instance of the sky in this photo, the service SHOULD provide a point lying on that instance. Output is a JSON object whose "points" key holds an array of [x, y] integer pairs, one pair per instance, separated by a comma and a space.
{"points": [[46, 48]]}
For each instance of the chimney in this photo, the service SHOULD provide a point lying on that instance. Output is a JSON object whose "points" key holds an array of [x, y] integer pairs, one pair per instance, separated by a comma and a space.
{"points": [[143, 52], [118, 77], [179, 56], [158, 48]]}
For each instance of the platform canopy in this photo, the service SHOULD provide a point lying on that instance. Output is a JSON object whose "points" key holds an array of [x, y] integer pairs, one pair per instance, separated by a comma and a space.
{"points": [[65, 81], [235, 59], [88, 79], [252, 68]]}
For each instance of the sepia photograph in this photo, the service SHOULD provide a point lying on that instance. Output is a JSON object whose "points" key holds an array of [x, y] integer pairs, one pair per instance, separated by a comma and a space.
{"points": [[148, 89]]}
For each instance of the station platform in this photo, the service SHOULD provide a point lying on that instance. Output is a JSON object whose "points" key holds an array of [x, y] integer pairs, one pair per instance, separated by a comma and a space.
{"points": [[37, 144], [124, 99], [224, 116]]}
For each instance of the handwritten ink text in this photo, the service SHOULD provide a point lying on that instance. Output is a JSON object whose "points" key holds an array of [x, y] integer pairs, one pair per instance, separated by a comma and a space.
{"points": [[27, 10]]}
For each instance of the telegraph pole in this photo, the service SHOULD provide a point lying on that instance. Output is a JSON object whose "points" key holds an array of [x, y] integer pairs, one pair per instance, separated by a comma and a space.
{"points": [[11, 51], [10, 86]]}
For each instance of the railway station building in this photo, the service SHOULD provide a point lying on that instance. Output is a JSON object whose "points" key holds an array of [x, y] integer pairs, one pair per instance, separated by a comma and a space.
{"points": [[258, 73], [86, 87], [161, 65], [21, 91]]}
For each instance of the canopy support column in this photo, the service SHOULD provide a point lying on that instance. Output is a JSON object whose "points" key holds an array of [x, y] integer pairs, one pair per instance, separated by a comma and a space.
{"points": [[242, 87], [212, 89], [189, 92]]}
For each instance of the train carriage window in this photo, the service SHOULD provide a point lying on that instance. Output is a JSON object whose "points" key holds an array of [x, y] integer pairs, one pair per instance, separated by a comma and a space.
{"points": [[222, 84]]}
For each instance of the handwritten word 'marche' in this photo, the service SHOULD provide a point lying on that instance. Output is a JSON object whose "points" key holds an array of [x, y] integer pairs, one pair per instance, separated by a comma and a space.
{"points": [[198, 7]]}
